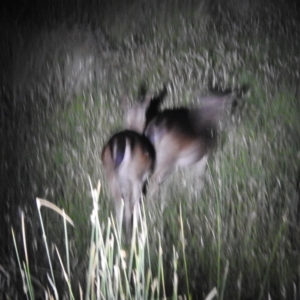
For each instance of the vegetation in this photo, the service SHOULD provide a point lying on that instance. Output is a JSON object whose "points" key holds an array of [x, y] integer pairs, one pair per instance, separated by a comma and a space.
{"points": [[65, 66]]}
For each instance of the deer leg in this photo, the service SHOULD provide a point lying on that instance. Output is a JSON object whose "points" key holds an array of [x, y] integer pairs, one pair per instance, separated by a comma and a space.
{"points": [[118, 202]]}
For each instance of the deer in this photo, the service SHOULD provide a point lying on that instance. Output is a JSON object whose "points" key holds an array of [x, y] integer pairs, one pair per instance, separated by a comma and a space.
{"points": [[184, 136], [181, 136], [129, 160], [155, 143]]}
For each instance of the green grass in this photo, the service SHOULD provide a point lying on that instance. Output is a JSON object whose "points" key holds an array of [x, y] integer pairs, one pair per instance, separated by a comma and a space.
{"points": [[70, 71], [112, 272]]}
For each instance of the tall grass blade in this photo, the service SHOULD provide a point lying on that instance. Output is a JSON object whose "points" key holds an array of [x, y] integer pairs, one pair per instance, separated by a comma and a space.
{"points": [[43, 202], [224, 280], [213, 293], [175, 276], [67, 253], [26, 264], [271, 259], [25, 289], [67, 278], [183, 252]]}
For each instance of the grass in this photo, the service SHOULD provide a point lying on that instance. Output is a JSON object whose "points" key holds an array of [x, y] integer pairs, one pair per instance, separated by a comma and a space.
{"points": [[63, 76], [112, 272]]}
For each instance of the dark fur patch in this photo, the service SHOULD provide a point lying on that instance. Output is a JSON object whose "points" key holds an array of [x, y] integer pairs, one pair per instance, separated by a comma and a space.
{"points": [[154, 106], [118, 142], [119, 156]]}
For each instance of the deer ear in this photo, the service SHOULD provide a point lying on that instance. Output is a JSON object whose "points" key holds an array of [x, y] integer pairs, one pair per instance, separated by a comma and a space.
{"points": [[135, 115], [142, 90]]}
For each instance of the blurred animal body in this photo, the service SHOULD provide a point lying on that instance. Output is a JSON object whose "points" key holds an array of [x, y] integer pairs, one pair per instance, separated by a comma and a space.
{"points": [[128, 159], [155, 143], [185, 136]]}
